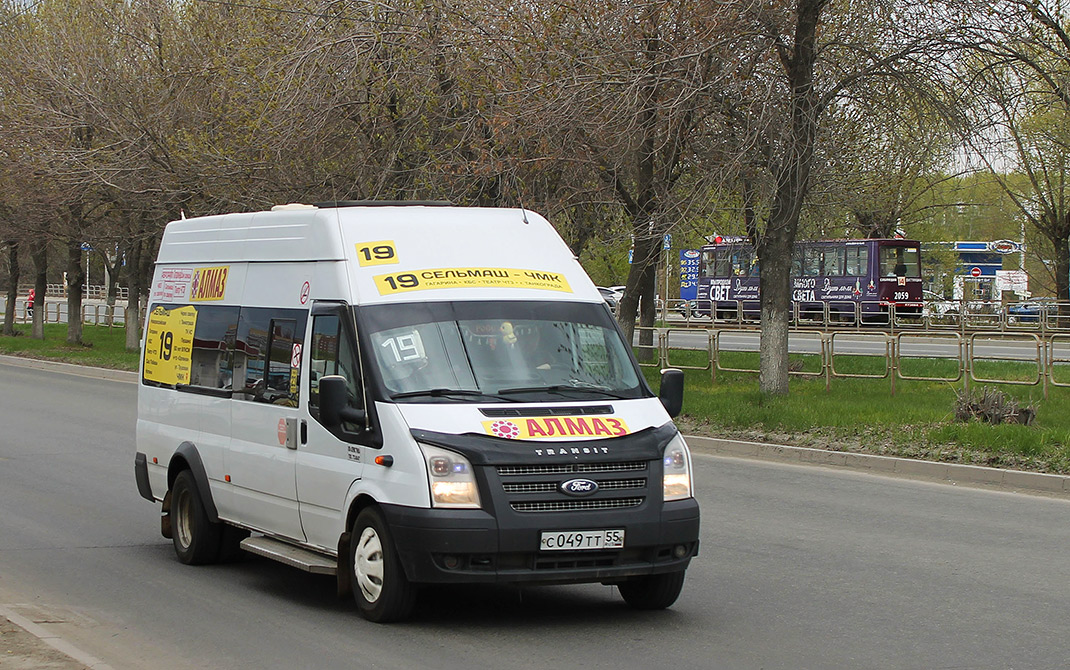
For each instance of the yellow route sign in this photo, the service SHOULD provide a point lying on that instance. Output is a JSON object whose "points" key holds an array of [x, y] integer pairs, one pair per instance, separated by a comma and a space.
{"points": [[169, 344], [470, 277]]}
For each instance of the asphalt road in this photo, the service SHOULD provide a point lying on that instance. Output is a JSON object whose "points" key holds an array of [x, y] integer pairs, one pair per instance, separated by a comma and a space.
{"points": [[801, 567]]}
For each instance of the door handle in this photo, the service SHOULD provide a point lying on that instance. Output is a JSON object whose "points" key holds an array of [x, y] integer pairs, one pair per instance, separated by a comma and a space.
{"points": [[290, 426]]}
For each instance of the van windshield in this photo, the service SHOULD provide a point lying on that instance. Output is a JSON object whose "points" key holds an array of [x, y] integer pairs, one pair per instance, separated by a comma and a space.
{"points": [[498, 352]]}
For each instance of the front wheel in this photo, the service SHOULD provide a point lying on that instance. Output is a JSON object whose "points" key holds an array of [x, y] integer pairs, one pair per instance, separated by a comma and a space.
{"points": [[380, 587], [652, 592], [197, 540]]}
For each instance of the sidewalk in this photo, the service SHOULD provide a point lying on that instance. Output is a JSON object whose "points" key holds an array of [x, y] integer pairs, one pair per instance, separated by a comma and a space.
{"points": [[26, 645]]}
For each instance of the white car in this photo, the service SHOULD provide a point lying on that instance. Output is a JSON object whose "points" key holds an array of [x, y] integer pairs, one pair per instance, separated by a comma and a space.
{"points": [[610, 296], [936, 306]]}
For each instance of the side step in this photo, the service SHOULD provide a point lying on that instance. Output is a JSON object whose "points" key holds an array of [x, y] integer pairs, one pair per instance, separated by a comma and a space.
{"points": [[283, 552]]}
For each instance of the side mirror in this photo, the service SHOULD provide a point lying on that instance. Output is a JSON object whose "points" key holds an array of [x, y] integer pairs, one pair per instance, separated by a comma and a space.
{"points": [[672, 391], [334, 403]]}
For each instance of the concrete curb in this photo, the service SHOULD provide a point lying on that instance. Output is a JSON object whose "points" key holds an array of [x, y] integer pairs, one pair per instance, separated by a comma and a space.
{"points": [[54, 641], [70, 368], [954, 473]]}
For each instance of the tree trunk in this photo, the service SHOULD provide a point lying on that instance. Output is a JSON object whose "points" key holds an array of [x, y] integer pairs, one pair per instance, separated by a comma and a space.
{"points": [[1062, 274], [75, 288], [792, 181], [113, 285], [40, 287], [132, 321], [775, 291], [640, 283], [12, 287]]}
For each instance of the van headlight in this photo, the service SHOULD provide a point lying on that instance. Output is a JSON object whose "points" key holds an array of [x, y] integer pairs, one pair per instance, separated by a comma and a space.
{"points": [[453, 484], [676, 470]]}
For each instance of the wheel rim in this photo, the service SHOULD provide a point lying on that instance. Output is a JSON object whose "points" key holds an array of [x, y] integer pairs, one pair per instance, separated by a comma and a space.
{"points": [[368, 564], [183, 526]]}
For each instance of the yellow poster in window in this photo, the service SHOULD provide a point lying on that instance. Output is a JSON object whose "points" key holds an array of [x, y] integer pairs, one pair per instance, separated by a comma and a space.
{"points": [[169, 344]]}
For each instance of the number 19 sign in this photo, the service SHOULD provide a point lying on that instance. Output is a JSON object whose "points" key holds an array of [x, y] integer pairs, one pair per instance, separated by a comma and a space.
{"points": [[169, 345]]}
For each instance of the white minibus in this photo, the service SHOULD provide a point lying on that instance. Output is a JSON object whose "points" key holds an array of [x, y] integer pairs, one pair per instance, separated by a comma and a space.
{"points": [[401, 394]]}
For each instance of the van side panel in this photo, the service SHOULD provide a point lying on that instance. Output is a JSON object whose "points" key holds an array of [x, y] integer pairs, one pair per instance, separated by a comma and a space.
{"points": [[167, 419]]}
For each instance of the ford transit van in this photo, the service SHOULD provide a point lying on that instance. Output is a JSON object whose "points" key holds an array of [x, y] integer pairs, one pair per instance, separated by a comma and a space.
{"points": [[405, 394]]}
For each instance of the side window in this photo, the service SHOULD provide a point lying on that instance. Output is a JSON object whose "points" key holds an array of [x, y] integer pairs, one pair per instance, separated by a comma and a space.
{"points": [[267, 355], [212, 342], [811, 261], [190, 345], [723, 266], [857, 261], [833, 262], [332, 353]]}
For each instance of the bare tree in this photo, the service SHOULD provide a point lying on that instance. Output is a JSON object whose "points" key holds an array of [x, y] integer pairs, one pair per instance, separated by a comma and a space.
{"points": [[1023, 116]]}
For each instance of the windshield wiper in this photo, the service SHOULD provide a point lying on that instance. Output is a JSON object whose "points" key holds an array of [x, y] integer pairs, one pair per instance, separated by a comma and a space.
{"points": [[559, 388], [442, 392]]}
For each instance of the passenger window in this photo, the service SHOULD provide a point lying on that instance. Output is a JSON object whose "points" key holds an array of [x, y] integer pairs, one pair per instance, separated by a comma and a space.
{"points": [[811, 262], [833, 262], [267, 355], [211, 346], [332, 353], [857, 261], [190, 345]]}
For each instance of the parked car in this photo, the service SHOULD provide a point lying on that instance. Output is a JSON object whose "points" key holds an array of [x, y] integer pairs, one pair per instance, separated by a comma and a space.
{"points": [[936, 306], [689, 308], [610, 296], [1026, 312]]}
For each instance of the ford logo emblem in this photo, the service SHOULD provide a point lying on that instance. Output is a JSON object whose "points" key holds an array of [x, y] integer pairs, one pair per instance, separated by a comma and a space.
{"points": [[579, 487]]}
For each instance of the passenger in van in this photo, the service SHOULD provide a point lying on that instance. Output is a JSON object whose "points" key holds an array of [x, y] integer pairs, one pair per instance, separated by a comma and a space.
{"points": [[543, 347]]}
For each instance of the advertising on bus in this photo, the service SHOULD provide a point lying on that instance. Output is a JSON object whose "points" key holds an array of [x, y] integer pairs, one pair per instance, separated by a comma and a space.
{"points": [[848, 278]]}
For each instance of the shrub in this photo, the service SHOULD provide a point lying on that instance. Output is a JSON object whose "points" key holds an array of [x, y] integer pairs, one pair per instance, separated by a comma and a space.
{"points": [[992, 406]]}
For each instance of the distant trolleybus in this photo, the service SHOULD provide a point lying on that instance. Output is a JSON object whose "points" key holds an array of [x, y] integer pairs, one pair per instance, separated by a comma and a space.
{"points": [[851, 277]]}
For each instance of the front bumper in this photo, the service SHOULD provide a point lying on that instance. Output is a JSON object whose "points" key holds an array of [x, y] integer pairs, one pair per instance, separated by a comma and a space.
{"points": [[459, 546]]}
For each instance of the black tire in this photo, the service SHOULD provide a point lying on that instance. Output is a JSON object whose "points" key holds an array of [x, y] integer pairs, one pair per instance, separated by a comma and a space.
{"points": [[652, 592], [382, 591], [197, 540]]}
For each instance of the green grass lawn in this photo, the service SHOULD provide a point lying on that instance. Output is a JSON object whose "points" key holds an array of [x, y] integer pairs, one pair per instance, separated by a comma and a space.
{"points": [[102, 347]]}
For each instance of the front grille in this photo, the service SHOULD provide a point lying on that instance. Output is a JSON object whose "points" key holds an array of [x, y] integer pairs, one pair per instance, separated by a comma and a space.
{"points": [[575, 505], [620, 484], [545, 487], [537, 488]]}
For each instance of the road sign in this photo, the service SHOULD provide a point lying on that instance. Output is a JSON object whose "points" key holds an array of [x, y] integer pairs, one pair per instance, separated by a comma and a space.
{"points": [[975, 272]]}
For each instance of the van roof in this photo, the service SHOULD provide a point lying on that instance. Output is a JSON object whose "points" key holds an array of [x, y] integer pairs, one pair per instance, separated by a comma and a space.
{"points": [[461, 251]]}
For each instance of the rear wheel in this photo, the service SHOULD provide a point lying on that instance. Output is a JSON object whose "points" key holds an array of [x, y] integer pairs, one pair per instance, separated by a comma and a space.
{"points": [[652, 592], [196, 539], [380, 587]]}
